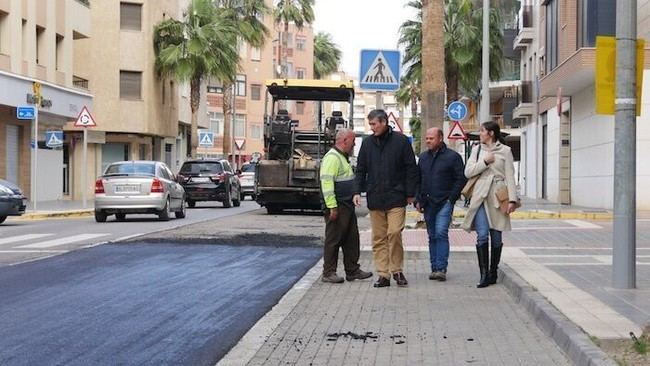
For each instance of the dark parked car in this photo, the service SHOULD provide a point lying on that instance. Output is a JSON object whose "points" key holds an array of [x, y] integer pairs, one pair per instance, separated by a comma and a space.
{"points": [[210, 180], [12, 200]]}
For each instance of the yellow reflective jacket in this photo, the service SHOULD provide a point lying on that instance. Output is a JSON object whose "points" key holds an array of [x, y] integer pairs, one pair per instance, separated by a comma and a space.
{"points": [[336, 179]]}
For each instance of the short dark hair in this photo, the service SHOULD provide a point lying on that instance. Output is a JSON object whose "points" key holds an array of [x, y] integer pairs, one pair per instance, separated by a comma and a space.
{"points": [[380, 114], [494, 127]]}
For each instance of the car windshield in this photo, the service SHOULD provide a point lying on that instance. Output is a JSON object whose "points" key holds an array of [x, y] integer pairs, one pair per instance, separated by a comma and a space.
{"points": [[131, 168], [199, 167], [248, 168]]}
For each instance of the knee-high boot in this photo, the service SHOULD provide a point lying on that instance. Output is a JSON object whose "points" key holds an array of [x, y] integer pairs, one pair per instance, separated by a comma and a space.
{"points": [[494, 264], [482, 253]]}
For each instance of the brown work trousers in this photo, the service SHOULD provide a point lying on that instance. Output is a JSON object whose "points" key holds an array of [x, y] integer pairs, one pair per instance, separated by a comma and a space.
{"points": [[341, 233], [387, 249]]}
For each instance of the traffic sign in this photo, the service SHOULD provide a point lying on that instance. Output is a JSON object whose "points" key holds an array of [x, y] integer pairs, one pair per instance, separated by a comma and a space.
{"points": [[393, 121], [85, 119], [457, 111], [380, 70], [54, 138], [457, 132], [26, 112], [240, 143], [206, 139]]}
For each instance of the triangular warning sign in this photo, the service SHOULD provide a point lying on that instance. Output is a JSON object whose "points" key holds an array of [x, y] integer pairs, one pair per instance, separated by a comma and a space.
{"points": [[456, 132], [240, 143], [379, 72], [54, 140], [85, 119], [393, 121], [206, 139]]}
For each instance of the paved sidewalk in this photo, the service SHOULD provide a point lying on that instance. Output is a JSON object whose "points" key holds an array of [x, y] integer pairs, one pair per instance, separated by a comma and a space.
{"points": [[57, 209], [428, 323]]}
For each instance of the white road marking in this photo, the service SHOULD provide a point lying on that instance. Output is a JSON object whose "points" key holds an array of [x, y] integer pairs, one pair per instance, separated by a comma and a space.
{"points": [[61, 241], [33, 251], [14, 239], [583, 224]]}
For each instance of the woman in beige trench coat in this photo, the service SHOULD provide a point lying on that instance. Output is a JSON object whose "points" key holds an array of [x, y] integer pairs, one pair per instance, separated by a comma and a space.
{"points": [[495, 168]]}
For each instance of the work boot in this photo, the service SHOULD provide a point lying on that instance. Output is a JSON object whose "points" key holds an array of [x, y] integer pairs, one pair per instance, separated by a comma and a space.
{"points": [[400, 279], [382, 282], [358, 275], [441, 275], [482, 253], [332, 278], [494, 264]]}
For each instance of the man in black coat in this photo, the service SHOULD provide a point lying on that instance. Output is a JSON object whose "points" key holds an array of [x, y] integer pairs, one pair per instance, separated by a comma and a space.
{"points": [[442, 179], [386, 170]]}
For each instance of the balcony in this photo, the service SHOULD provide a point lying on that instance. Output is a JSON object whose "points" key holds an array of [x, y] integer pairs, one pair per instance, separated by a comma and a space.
{"points": [[79, 17], [79, 83], [525, 27], [524, 95]]}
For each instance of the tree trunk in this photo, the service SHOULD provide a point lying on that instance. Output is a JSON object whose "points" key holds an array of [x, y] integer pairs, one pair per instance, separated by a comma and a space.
{"points": [[452, 86], [285, 44], [433, 65], [227, 117], [195, 100], [414, 104]]}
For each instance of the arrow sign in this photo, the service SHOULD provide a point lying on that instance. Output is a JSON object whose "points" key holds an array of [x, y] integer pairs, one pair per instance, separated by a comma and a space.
{"points": [[457, 111], [85, 119], [457, 132], [379, 70], [25, 112], [54, 138]]}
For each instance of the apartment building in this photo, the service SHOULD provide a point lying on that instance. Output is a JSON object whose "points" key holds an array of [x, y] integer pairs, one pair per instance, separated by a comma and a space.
{"points": [[568, 149], [138, 114], [257, 66], [38, 39]]}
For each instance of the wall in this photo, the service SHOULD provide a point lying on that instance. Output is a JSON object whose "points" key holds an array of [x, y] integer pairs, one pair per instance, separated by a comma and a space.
{"points": [[553, 155]]}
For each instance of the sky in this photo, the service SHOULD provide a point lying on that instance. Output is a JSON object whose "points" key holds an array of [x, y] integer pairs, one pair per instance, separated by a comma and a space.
{"points": [[361, 24]]}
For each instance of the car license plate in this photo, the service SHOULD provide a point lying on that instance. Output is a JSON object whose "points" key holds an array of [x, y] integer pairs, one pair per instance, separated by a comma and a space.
{"points": [[127, 188], [200, 180]]}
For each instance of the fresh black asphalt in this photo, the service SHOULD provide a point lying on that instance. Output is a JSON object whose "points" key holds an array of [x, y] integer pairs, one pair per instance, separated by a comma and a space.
{"points": [[142, 304]]}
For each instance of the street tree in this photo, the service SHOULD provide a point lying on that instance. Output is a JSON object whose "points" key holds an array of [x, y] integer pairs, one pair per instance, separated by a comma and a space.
{"points": [[327, 55], [299, 12], [202, 44]]}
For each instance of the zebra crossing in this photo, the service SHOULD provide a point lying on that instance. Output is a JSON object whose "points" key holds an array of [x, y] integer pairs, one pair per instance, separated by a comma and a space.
{"points": [[47, 242]]}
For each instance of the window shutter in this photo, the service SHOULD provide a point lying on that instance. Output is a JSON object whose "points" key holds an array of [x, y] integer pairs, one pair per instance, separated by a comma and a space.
{"points": [[131, 16], [130, 84]]}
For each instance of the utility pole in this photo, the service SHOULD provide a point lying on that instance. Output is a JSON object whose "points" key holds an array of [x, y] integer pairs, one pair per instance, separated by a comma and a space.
{"points": [[379, 99], [624, 245], [484, 112]]}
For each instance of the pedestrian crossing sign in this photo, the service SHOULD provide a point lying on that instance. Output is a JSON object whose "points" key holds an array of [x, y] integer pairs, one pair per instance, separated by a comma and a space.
{"points": [[380, 70], [206, 139], [54, 139]]}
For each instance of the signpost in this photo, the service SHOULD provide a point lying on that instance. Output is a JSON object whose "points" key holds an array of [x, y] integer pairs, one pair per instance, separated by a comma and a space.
{"points": [[206, 139], [457, 111], [54, 139], [379, 71], [85, 120], [393, 121], [36, 88]]}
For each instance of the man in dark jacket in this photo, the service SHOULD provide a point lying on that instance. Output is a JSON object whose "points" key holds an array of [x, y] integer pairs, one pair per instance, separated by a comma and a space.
{"points": [[386, 170], [442, 179]]}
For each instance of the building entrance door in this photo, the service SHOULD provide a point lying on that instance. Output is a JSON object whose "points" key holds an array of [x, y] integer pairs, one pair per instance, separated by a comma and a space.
{"points": [[13, 153]]}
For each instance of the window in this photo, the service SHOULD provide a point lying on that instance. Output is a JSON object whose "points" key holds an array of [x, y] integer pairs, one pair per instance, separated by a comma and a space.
{"points": [[595, 17], [240, 125], [240, 84], [300, 108], [551, 35], [215, 86], [300, 43], [256, 92], [4, 34], [130, 16], [216, 123], [40, 45], [290, 69], [288, 37], [243, 48], [256, 54], [256, 131], [130, 84], [59, 52], [300, 73]]}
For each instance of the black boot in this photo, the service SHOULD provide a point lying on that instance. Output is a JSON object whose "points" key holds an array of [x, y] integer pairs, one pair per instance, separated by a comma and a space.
{"points": [[482, 252], [494, 264]]}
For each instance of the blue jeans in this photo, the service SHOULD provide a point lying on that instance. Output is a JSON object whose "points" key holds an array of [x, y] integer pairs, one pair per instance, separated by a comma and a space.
{"points": [[483, 231], [438, 229]]}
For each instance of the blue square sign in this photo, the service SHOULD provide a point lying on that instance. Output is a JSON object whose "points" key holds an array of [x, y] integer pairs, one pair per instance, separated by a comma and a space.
{"points": [[380, 70], [26, 112]]}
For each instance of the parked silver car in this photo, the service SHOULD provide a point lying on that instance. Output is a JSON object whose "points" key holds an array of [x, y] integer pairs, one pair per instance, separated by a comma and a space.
{"points": [[138, 187], [247, 181]]}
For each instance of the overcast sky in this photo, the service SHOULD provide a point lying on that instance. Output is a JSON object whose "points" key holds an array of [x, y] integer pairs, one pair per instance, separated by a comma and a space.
{"points": [[361, 24]]}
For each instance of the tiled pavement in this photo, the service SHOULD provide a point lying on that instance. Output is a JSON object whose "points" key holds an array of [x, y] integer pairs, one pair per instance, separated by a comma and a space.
{"points": [[428, 323]]}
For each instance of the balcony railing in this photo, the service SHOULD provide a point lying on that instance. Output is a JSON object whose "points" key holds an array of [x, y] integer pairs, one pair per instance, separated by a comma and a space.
{"points": [[525, 17], [78, 82], [85, 2], [525, 92]]}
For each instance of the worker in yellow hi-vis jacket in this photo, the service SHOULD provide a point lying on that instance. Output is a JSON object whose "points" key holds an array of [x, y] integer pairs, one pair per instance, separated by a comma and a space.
{"points": [[341, 230]]}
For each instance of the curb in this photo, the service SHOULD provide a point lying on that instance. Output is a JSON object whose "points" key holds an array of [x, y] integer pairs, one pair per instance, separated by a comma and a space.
{"points": [[56, 214], [576, 344], [538, 215]]}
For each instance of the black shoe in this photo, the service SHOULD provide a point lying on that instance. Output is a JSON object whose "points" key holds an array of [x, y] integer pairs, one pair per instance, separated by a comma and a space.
{"points": [[358, 275], [482, 254], [382, 282], [494, 264], [400, 279]]}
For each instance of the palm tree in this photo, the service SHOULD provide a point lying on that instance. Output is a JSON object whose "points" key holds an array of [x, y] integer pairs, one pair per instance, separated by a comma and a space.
{"points": [[433, 66], [327, 55], [247, 14], [300, 12], [198, 46], [411, 38]]}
